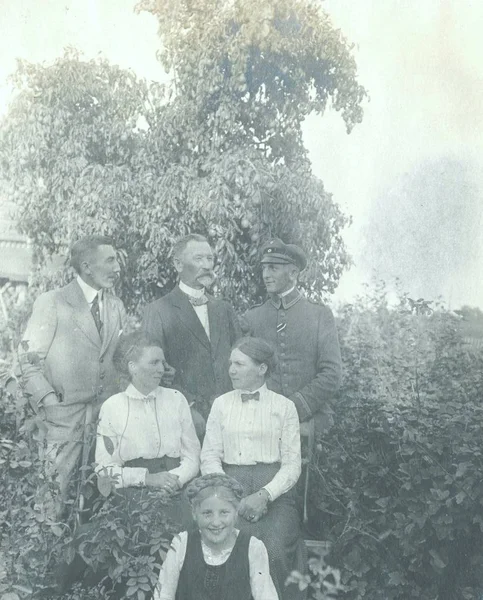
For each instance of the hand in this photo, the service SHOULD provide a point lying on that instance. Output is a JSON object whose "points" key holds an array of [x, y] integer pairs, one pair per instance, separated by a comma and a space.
{"points": [[168, 375], [163, 481], [253, 507], [49, 400]]}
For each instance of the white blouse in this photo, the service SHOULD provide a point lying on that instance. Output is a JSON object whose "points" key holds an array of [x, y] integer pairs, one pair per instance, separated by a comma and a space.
{"points": [[132, 425], [262, 586], [256, 431]]}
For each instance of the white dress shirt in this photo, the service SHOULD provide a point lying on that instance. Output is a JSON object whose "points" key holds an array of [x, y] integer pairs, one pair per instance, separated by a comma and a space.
{"points": [[90, 293], [202, 310], [152, 426], [257, 431], [261, 583]]}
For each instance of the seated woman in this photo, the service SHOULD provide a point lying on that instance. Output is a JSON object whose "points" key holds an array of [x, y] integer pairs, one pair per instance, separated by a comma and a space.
{"points": [[145, 435], [215, 560], [253, 435], [146, 445]]}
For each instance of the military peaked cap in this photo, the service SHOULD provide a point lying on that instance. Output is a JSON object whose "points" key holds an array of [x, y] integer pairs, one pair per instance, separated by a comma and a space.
{"points": [[276, 252]]}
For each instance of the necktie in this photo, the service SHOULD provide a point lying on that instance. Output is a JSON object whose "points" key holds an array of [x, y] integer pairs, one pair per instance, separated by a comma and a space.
{"points": [[254, 396], [198, 300], [96, 313]]}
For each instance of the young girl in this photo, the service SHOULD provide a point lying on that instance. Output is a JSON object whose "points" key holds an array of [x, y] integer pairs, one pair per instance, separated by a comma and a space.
{"points": [[215, 561]]}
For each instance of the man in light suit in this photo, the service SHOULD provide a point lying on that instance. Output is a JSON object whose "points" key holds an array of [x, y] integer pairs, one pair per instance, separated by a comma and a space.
{"points": [[65, 358], [195, 330]]}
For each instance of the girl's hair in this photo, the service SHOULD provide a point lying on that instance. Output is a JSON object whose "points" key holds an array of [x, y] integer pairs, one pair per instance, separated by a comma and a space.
{"points": [[213, 484], [130, 348], [260, 351]]}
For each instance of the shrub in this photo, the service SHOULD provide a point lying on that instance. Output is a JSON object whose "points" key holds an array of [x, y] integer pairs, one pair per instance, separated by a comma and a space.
{"points": [[398, 480]]}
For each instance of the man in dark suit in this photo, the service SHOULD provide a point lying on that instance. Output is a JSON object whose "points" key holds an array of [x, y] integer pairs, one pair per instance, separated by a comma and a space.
{"points": [[65, 358], [195, 330]]}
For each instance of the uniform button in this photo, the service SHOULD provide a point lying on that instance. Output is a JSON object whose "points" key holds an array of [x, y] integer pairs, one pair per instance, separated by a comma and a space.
{"points": [[282, 344], [283, 334], [101, 389], [282, 314], [101, 360], [102, 375]]}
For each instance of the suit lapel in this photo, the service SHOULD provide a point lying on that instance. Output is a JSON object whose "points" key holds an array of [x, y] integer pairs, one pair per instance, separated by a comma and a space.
{"points": [[188, 317], [214, 318], [81, 313], [109, 320]]}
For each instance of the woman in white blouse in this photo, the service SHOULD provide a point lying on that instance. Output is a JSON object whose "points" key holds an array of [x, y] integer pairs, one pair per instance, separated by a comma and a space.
{"points": [[253, 435], [146, 442], [145, 435]]}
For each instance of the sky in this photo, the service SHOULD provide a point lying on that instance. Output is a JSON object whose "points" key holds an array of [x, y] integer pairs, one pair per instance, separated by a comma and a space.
{"points": [[411, 174]]}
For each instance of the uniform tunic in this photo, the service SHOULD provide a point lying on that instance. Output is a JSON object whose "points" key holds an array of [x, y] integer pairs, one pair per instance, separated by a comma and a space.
{"points": [[305, 337]]}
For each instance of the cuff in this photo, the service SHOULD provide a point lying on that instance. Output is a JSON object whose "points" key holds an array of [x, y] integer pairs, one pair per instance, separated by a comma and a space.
{"points": [[273, 491], [303, 409], [270, 499]]}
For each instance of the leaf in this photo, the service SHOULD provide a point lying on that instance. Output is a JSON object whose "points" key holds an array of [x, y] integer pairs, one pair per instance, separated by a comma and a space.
{"points": [[104, 485], [56, 530], [108, 444], [437, 561]]}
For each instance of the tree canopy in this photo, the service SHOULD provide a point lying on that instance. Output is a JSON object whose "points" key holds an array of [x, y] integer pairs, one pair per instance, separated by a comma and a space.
{"points": [[88, 147]]}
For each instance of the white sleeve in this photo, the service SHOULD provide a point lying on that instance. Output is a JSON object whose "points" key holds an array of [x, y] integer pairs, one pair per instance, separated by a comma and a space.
{"points": [[212, 452], [261, 581], [190, 446], [107, 452], [172, 565], [290, 455]]}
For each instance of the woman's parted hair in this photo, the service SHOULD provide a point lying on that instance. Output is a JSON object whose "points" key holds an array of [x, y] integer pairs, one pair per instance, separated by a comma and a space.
{"points": [[213, 484], [130, 348], [259, 350]]}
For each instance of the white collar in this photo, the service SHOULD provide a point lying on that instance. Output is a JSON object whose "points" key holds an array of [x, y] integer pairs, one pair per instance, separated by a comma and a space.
{"points": [[133, 392], [260, 390], [191, 291], [283, 294], [89, 292]]}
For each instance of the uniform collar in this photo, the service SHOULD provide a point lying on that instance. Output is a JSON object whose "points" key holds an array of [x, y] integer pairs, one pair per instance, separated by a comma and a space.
{"points": [[286, 301], [89, 292]]}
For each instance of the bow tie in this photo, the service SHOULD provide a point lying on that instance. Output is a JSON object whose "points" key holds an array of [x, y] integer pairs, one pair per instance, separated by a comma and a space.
{"points": [[198, 300], [254, 396]]}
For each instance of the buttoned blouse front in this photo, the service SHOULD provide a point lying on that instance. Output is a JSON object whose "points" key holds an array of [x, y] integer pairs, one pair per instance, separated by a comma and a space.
{"points": [[256, 431], [132, 426]]}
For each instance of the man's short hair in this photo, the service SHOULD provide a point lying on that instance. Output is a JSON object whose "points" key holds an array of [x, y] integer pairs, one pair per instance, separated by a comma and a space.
{"points": [[85, 246], [180, 246]]}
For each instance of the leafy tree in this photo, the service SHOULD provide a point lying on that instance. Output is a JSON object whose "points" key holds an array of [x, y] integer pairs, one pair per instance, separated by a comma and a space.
{"points": [[88, 147]]}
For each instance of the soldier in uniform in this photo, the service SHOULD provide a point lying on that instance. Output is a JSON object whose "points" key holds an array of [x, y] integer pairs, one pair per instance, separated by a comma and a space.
{"points": [[303, 332]]}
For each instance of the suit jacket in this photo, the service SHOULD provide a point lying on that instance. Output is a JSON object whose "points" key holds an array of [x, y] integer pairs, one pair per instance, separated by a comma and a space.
{"points": [[309, 362], [66, 355], [201, 363]]}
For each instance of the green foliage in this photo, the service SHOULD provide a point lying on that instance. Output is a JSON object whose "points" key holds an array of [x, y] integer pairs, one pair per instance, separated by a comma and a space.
{"points": [[399, 482], [87, 147], [125, 543]]}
